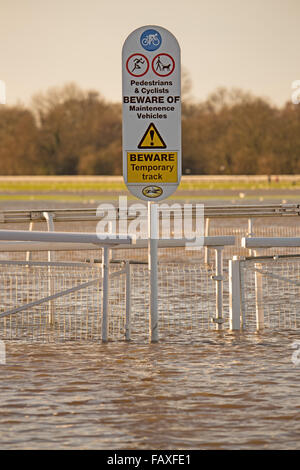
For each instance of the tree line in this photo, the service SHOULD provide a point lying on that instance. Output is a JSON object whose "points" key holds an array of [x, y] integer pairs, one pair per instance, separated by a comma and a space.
{"points": [[68, 131]]}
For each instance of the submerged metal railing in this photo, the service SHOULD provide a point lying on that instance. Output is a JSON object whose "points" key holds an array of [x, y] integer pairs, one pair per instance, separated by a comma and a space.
{"points": [[42, 241], [265, 290]]}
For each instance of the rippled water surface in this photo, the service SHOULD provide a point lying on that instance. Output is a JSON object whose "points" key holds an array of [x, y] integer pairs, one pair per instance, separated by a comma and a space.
{"points": [[228, 391]]}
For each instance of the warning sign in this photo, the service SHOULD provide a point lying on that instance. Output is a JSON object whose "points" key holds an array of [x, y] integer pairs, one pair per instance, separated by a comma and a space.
{"points": [[151, 128], [158, 167], [152, 139]]}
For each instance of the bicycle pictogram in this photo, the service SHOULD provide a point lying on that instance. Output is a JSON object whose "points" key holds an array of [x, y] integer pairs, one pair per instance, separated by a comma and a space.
{"points": [[150, 40]]}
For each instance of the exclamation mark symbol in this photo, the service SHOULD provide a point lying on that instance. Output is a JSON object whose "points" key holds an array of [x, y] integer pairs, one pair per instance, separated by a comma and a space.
{"points": [[152, 137]]}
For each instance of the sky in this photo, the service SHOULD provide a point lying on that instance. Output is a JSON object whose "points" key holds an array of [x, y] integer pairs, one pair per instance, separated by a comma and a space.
{"points": [[252, 45]]}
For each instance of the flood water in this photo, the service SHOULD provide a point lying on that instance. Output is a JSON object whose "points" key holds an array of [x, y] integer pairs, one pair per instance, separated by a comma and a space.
{"points": [[228, 391]]}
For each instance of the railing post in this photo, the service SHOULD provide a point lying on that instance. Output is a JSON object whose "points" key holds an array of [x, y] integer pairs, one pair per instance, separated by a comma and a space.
{"points": [[259, 308], [105, 292], [153, 268], [259, 298], [234, 294], [250, 228], [206, 233], [242, 290], [50, 226], [128, 302], [250, 232], [29, 253], [219, 287], [111, 251]]}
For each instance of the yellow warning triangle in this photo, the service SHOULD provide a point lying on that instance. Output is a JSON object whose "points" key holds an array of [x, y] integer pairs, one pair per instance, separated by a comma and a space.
{"points": [[152, 139]]}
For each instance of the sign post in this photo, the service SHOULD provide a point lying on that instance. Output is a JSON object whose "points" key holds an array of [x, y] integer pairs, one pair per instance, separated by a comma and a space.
{"points": [[151, 113], [153, 269], [151, 82]]}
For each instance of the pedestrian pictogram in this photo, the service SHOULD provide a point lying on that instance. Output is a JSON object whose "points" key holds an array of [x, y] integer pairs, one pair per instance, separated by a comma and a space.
{"points": [[152, 139], [137, 65], [163, 65]]}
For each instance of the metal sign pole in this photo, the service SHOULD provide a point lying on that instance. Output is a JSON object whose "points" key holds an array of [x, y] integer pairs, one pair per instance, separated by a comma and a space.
{"points": [[105, 293], [151, 85], [153, 229]]}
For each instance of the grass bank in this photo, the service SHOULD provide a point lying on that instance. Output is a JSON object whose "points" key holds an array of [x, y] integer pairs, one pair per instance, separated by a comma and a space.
{"points": [[78, 185]]}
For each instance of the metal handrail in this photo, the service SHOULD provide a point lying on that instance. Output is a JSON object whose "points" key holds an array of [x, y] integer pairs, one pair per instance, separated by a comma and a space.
{"points": [[270, 242], [93, 214]]}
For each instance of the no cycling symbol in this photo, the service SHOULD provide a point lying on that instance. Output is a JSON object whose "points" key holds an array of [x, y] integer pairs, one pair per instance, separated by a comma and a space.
{"points": [[163, 65]]}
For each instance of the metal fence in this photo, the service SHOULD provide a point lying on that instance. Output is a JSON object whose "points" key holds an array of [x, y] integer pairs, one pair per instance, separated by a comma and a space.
{"points": [[107, 299], [60, 291], [264, 290], [52, 301]]}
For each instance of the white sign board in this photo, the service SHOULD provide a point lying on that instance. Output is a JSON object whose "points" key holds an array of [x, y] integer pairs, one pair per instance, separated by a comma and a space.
{"points": [[151, 75]]}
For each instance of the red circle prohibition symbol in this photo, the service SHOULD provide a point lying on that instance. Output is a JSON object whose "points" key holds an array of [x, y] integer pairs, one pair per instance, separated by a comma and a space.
{"points": [[137, 74], [163, 67]]}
